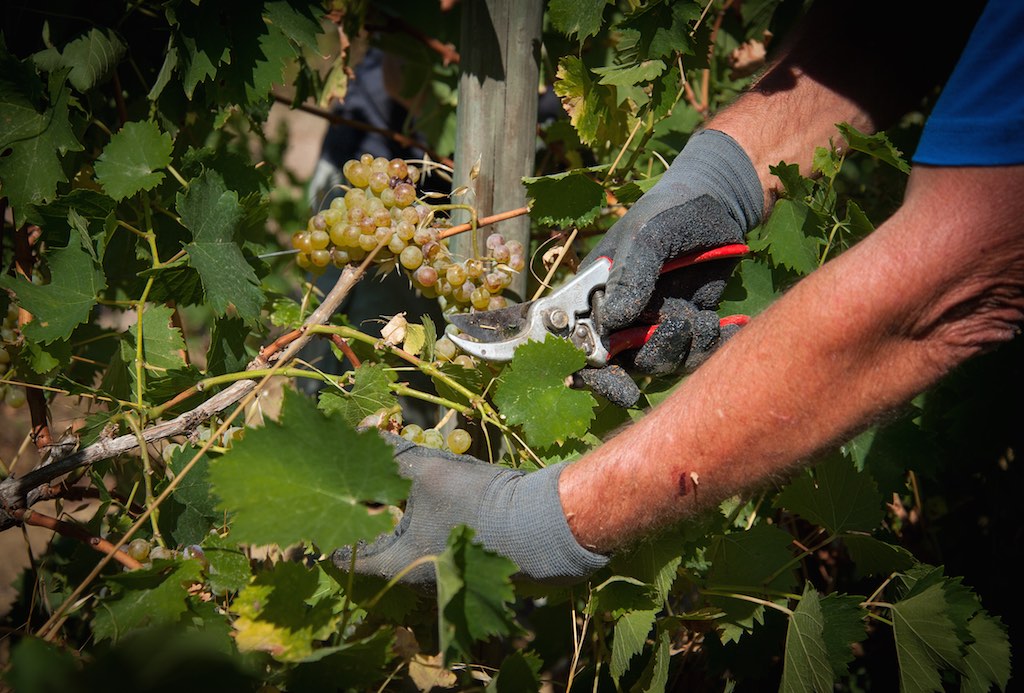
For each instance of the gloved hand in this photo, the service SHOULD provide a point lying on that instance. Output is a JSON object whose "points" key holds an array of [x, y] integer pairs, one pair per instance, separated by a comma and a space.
{"points": [[515, 514], [709, 197]]}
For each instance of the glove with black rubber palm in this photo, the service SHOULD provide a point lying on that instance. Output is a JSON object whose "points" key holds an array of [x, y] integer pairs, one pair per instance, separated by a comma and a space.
{"points": [[708, 198], [516, 514]]}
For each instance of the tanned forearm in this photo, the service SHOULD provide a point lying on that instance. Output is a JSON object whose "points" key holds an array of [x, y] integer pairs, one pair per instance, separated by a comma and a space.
{"points": [[940, 281]]}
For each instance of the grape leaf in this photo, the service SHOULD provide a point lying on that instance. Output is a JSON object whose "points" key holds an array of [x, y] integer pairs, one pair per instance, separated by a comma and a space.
{"points": [[259, 53], [631, 632], [212, 213], [844, 625], [987, 662], [655, 674], [926, 641], [66, 302], [295, 19], [89, 58], [520, 671], [130, 160], [369, 394], [357, 663], [473, 594], [653, 562], [660, 30], [202, 44], [579, 17], [750, 290], [875, 557], [592, 108], [876, 145], [531, 392], [805, 666], [229, 569], [275, 616], [621, 594], [33, 137], [228, 353], [162, 343], [836, 496], [565, 199], [191, 510], [628, 75], [788, 237], [146, 597], [752, 559], [306, 478]]}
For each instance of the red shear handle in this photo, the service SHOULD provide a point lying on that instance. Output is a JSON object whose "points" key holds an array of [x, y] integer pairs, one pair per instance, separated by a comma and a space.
{"points": [[636, 337], [723, 252]]}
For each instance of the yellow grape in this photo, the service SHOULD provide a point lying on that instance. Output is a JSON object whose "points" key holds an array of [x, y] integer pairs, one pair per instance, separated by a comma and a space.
{"points": [[459, 441]]}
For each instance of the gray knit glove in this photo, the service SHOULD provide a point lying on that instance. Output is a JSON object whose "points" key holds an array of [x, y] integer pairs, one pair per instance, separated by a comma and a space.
{"points": [[515, 514], [709, 197]]}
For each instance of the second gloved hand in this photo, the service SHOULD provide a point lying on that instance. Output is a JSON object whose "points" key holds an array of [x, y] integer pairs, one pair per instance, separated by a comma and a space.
{"points": [[708, 198], [515, 514]]}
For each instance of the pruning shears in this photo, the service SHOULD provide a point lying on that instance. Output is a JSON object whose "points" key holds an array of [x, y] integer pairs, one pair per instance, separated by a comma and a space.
{"points": [[573, 312]]}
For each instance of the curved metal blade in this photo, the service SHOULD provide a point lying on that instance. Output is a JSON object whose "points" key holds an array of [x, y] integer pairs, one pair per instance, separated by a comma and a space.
{"points": [[493, 325]]}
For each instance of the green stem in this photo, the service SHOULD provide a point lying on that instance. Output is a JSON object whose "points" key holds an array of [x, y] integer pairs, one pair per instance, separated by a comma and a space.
{"points": [[804, 554], [147, 480], [748, 598], [174, 172]]}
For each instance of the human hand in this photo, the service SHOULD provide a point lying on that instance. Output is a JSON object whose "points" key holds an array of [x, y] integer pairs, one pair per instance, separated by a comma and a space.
{"points": [[515, 514], [708, 198]]}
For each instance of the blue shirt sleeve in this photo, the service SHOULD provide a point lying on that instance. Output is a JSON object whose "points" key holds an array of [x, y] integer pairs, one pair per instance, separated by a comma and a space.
{"points": [[978, 119]]}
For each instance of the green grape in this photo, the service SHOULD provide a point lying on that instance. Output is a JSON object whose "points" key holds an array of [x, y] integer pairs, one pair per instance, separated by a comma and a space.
{"points": [[500, 253], [474, 268], [158, 553], [412, 433], [410, 215], [355, 198], [411, 257], [366, 159], [387, 196], [338, 203], [464, 360], [138, 549], [497, 303], [300, 241], [15, 397], [515, 248], [320, 258], [195, 552], [5, 357], [432, 438], [425, 275], [332, 216], [456, 274], [494, 240], [405, 194], [430, 250], [424, 235], [413, 174], [396, 245], [405, 230], [302, 260], [445, 349], [367, 242], [318, 240], [382, 217], [379, 181], [356, 215], [317, 223], [338, 234], [492, 282], [340, 257], [351, 237], [379, 165], [397, 168], [516, 262], [480, 298], [459, 441]]}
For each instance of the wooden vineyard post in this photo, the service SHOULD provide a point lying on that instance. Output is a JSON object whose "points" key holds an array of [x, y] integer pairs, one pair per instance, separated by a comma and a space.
{"points": [[497, 115]]}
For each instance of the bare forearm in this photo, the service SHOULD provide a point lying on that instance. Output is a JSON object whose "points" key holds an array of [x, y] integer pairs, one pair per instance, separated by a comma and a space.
{"points": [[848, 344]]}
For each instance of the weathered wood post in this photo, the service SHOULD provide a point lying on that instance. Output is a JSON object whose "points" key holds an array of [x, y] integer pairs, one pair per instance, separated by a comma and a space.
{"points": [[497, 114]]}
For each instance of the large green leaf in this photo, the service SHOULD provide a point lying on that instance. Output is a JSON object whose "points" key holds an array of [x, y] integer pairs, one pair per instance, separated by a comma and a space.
{"points": [[369, 394], [531, 392], [873, 556], [474, 591], [35, 134], [926, 640], [520, 671], [987, 662], [307, 478], [89, 58], [836, 496], [67, 301], [131, 160], [788, 237], [844, 626], [577, 17], [631, 631], [275, 613], [565, 199], [805, 666], [876, 145], [162, 344], [212, 212], [146, 597]]}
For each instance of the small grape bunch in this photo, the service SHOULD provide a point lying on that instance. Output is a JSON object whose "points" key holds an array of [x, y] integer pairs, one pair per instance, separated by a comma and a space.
{"points": [[12, 395], [457, 441], [382, 207]]}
